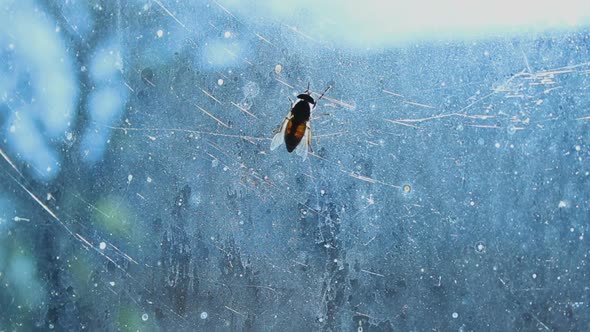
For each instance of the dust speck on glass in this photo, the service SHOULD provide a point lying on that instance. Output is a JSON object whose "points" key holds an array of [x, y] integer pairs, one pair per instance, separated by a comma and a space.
{"points": [[447, 188]]}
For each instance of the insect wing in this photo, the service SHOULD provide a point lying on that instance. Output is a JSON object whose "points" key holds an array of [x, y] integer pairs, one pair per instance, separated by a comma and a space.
{"points": [[303, 148], [279, 137]]}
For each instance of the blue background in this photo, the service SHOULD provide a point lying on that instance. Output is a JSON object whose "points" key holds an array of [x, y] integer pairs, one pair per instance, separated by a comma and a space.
{"points": [[448, 189]]}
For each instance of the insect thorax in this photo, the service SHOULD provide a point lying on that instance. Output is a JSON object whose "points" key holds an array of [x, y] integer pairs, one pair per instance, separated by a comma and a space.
{"points": [[301, 111]]}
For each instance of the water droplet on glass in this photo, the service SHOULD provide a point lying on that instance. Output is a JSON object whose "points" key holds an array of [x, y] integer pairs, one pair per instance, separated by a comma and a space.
{"points": [[251, 90], [480, 247]]}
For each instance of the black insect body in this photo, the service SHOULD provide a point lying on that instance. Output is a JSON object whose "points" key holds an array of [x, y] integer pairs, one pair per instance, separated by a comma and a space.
{"points": [[296, 126]]}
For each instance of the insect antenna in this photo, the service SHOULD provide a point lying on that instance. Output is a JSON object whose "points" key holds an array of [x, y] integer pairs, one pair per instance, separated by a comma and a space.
{"points": [[323, 93]]}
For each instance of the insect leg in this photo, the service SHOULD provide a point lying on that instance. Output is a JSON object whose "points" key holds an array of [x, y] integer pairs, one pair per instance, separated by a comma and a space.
{"points": [[283, 123], [309, 137], [320, 115]]}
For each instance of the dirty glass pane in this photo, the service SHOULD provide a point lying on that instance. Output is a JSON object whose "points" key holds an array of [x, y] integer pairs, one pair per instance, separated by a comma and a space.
{"points": [[445, 188]]}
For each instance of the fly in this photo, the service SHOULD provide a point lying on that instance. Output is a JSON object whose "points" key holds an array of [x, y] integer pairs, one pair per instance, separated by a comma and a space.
{"points": [[296, 126]]}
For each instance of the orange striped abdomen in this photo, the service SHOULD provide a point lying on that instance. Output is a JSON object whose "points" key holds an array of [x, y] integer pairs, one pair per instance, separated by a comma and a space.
{"points": [[293, 134]]}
